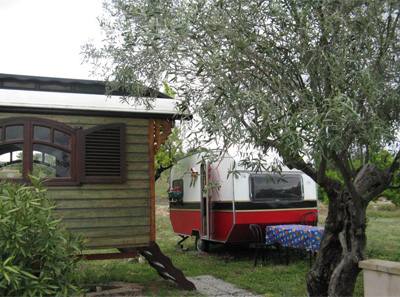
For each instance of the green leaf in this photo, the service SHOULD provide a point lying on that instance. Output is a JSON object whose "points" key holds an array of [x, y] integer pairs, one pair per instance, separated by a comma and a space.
{"points": [[29, 275], [6, 277], [11, 269]]}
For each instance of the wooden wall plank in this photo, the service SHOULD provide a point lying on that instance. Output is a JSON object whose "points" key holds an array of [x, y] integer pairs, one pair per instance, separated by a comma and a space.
{"points": [[134, 139], [105, 222], [111, 232], [130, 185], [103, 203], [102, 212], [90, 194], [134, 175], [138, 167], [135, 130], [105, 242], [136, 157], [137, 148]]}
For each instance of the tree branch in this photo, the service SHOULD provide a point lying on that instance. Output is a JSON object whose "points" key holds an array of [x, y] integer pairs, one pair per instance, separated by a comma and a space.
{"points": [[347, 176], [322, 170], [160, 170], [371, 181], [388, 178], [395, 164], [329, 185]]}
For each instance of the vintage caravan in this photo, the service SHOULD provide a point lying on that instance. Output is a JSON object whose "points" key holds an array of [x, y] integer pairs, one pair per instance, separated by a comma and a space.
{"points": [[96, 155], [215, 206]]}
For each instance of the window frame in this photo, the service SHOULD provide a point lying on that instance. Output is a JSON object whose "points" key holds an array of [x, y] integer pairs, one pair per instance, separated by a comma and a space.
{"points": [[28, 142], [265, 174]]}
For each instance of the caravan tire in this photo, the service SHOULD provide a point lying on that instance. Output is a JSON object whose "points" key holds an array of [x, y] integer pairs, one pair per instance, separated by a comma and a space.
{"points": [[202, 245]]}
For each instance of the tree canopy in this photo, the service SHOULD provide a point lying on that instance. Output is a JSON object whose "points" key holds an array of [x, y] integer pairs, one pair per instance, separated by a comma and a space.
{"points": [[293, 75], [317, 81]]}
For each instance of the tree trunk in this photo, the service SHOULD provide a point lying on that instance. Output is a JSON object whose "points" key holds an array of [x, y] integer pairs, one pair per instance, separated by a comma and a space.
{"points": [[330, 252], [353, 240], [335, 270]]}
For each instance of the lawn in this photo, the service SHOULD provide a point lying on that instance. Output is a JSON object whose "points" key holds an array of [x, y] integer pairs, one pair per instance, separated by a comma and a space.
{"points": [[234, 265]]}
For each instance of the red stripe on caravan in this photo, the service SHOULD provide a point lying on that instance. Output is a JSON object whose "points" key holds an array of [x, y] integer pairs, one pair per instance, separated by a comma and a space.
{"points": [[185, 221], [222, 225]]}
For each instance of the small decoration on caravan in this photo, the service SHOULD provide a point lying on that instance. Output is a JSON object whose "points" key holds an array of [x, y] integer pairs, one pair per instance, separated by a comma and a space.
{"points": [[194, 175]]}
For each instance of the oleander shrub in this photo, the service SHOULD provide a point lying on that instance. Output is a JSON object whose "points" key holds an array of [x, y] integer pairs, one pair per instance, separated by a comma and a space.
{"points": [[36, 253]]}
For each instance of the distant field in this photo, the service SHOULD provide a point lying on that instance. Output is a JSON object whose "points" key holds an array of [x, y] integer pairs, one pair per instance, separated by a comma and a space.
{"points": [[235, 265]]}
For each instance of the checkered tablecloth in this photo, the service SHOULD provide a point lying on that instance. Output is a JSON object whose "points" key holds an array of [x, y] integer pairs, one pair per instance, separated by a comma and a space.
{"points": [[295, 236]]}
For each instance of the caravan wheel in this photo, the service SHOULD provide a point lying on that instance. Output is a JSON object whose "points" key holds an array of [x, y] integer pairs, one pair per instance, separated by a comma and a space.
{"points": [[202, 245]]}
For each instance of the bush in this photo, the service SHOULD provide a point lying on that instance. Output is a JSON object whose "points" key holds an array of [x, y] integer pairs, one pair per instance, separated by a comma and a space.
{"points": [[392, 195], [36, 253]]}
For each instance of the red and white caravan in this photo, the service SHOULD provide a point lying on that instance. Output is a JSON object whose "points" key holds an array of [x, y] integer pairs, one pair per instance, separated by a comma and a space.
{"points": [[216, 207]]}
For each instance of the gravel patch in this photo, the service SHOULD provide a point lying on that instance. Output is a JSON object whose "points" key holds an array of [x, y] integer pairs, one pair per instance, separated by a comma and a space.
{"points": [[211, 286]]}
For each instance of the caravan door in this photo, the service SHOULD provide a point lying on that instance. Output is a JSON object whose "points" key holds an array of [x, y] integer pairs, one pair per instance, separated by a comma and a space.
{"points": [[205, 205]]}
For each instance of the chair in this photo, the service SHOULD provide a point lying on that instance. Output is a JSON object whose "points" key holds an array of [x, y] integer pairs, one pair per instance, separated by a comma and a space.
{"points": [[258, 242], [309, 218]]}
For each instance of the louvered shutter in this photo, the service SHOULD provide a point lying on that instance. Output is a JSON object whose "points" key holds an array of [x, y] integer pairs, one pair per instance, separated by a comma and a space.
{"points": [[104, 154]]}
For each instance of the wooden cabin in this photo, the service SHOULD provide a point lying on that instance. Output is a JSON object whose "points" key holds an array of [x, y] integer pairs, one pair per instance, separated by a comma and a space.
{"points": [[95, 153]]}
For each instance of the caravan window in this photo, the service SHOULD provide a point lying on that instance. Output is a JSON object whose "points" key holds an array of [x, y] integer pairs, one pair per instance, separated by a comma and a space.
{"points": [[177, 185], [276, 187]]}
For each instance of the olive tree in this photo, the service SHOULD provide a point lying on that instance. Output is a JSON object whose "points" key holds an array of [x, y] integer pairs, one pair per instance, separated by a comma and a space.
{"points": [[314, 80]]}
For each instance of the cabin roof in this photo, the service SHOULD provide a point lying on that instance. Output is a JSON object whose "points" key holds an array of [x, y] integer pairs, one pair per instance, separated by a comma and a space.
{"points": [[65, 85], [21, 93]]}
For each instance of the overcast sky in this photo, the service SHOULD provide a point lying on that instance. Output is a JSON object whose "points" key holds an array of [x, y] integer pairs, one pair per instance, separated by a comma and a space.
{"points": [[44, 37]]}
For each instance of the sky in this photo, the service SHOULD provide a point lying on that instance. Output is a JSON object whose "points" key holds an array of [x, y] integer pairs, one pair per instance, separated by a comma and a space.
{"points": [[44, 37]]}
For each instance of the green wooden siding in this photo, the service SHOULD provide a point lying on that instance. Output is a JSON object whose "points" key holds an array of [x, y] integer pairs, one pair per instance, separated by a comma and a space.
{"points": [[108, 215]]}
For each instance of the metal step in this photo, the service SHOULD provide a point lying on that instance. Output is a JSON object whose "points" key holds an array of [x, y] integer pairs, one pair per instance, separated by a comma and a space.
{"points": [[164, 266]]}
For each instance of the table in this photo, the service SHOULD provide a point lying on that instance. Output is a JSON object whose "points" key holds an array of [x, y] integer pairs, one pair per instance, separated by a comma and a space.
{"points": [[295, 236]]}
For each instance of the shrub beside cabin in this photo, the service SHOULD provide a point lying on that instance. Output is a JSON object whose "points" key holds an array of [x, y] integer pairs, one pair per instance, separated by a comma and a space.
{"points": [[96, 153]]}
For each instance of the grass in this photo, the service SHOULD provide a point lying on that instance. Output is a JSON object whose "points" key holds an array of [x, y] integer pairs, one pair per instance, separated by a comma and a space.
{"points": [[162, 186], [383, 235], [234, 264]]}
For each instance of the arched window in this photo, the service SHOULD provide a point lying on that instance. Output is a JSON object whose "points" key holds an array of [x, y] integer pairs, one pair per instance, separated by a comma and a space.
{"points": [[39, 147]]}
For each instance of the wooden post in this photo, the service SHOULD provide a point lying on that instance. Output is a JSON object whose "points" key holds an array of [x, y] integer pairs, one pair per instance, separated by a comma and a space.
{"points": [[151, 131], [158, 132]]}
